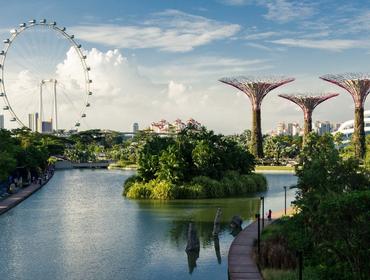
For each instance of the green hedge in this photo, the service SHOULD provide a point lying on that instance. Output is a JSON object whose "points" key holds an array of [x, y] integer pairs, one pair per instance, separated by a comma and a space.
{"points": [[232, 184]]}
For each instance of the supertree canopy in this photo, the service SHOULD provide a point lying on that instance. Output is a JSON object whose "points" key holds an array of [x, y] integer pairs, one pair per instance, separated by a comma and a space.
{"points": [[358, 86], [256, 88], [308, 103]]}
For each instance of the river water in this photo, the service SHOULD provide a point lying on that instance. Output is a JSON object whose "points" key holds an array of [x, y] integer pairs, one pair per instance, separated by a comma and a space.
{"points": [[80, 227]]}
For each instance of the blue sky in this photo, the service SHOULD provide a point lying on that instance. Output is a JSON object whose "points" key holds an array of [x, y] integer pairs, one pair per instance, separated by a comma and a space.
{"points": [[169, 55]]}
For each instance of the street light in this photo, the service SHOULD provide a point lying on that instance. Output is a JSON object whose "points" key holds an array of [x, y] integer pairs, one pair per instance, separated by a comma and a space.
{"points": [[285, 200], [263, 211], [300, 264], [258, 234]]}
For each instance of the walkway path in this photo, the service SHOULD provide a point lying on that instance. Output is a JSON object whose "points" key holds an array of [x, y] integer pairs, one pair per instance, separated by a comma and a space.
{"points": [[13, 200], [241, 263]]}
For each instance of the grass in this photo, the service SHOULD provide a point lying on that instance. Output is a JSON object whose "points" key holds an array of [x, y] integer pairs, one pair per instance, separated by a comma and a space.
{"points": [[309, 273], [274, 168], [277, 274], [118, 165]]}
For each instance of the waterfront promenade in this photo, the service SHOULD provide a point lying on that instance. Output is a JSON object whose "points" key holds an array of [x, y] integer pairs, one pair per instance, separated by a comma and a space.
{"points": [[240, 260], [14, 199]]}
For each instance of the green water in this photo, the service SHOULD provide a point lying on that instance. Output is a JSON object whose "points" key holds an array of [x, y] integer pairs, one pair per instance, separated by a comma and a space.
{"points": [[80, 227]]}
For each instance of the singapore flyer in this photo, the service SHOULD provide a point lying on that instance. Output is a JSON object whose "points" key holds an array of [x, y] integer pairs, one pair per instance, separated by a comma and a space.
{"points": [[45, 82]]}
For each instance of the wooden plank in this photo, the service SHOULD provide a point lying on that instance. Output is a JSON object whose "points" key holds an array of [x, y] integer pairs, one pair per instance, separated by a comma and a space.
{"points": [[240, 261]]}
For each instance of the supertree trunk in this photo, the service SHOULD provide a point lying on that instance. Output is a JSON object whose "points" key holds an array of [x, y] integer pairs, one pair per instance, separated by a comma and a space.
{"points": [[358, 86], [307, 125], [308, 103], [256, 89], [358, 138], [257, 145]]}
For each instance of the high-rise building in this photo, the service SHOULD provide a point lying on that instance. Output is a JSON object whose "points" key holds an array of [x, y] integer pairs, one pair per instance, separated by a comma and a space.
{"points": [[135, 127], [33, 121], [296, 129], [47, 126], [322, 127], [289, 129], [280, 130], [1, 121]]}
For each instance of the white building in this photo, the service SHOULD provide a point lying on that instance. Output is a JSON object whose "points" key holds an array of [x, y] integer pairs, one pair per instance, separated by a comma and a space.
{"points": [[347, 128]]}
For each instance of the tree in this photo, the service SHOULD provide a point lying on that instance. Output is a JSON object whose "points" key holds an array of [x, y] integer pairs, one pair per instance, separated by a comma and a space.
{"points": [[171, 165], [149, 154]]}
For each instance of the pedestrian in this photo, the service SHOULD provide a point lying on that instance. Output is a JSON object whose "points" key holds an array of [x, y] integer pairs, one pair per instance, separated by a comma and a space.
{"points": [[269, 214]]}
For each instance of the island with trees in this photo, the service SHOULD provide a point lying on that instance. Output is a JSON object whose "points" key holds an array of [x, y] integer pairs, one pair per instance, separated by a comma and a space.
{"points": [[195, 163]]}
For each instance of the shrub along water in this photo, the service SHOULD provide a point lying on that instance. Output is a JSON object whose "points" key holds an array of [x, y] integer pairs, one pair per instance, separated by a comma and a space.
{"points": [[199, 187], [195, 163]]}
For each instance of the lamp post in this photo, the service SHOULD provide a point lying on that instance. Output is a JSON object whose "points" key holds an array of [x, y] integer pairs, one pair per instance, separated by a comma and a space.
{"points": [[258, 234], [285, 200], [263, 211], [300, 265]]}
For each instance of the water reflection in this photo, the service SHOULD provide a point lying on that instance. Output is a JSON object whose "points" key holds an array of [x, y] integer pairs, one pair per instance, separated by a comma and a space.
{"points": [[192, 260], [201, 213], [216, 242], [79, 226]]}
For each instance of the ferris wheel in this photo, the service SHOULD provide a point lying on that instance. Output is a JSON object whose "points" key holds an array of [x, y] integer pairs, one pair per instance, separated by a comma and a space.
{"points": [[44, 78]]}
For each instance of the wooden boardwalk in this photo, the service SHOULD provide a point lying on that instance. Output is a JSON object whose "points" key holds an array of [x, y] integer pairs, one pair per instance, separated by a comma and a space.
{"points": [[240, 261], [14, 199]]}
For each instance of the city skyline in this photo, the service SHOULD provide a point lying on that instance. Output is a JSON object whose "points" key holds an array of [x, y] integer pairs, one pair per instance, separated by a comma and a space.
{"points": [[137, 79]]}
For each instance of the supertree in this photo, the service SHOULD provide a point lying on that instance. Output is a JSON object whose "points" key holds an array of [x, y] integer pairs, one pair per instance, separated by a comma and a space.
{"points": [[358, 86], [256, 89], [308, 103]]}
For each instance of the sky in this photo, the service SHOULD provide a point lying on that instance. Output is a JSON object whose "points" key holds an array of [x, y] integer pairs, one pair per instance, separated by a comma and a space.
{"points": [[162, 59]]}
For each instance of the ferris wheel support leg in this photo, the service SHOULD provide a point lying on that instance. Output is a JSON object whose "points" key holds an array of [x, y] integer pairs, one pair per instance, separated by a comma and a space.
{"points": [[55, 106], [40, 109]]}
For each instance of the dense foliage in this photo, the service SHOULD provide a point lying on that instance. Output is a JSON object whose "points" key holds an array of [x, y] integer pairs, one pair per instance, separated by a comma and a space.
{"points": [[25, 150], [193, 164], [333, 203]]}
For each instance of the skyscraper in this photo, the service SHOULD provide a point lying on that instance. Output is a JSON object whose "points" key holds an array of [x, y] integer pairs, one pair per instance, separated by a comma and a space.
{"points": [[135, 127], [47, 126], [1, 121], [33, 121]]}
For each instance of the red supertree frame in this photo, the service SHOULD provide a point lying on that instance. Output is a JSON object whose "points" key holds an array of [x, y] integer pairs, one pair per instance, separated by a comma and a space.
{"points": [[358, 86], [308, 103], [256, 88]]}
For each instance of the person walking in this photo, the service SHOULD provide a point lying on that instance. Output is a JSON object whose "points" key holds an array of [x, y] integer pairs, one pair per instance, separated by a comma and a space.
{"points": [[269, 214]]}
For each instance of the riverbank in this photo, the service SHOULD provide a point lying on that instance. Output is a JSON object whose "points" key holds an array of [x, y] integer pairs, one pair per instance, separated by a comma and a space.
{"points": [[274, 169], [14, 199], [115, 166], [258, 169]]}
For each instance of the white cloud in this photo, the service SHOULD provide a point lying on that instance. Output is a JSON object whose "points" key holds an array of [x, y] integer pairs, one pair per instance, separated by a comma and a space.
{"points": [[171, 30], [204, 69], [329, 44], [285, 10], [279, 10], [262, 35], [237, 2], [123, 94]]}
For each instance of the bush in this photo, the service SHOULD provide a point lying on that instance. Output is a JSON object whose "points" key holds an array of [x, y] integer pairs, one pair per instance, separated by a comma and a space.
{"points": [[190, 191], [139, 190], [210, 187], [232, 184], [129, 182], [260, 181], [161, 189], [309, 273]]}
